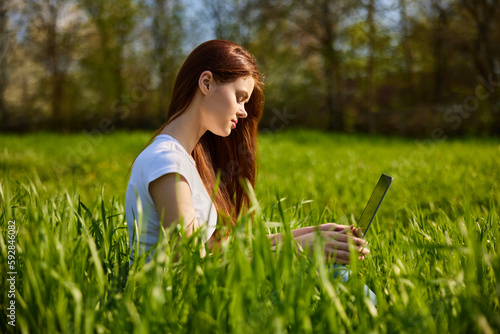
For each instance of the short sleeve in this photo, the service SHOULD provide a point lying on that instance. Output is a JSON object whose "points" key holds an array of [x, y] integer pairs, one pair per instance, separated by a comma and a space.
{"points": [[163, 156], [166, 163]]}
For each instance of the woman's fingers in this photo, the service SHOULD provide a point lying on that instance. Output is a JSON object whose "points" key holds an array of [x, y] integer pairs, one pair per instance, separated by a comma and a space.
{"points": [[343, 237], [357, 231], [349, 229], [344, 246], [364, 251], [339, 255], [339, 239]]}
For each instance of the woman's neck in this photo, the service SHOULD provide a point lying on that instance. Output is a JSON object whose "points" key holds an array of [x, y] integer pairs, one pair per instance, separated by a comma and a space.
{"points": [[186, 128]]}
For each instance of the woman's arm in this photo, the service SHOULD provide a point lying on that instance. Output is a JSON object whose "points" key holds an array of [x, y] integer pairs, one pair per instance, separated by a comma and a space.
{"points": [[337, 236], [277, 237], [172, 197], [305, 230]]}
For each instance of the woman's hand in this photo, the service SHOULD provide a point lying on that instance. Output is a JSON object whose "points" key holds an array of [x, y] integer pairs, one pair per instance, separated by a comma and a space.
{"points": [[337, 240]]}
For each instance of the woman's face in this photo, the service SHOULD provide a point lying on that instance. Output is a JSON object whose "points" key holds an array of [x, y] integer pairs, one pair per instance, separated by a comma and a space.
{"points": [[224, 104]]}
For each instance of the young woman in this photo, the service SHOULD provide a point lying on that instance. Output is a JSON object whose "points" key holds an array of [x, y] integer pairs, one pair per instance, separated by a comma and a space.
{"points": [[211, 127]]}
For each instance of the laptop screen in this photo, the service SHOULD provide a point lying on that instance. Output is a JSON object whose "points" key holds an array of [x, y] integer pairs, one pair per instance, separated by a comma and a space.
{"points": [[374, 203]]}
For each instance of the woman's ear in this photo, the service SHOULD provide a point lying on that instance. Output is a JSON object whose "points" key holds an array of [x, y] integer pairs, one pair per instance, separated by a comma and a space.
{"points": [[205, 83]]}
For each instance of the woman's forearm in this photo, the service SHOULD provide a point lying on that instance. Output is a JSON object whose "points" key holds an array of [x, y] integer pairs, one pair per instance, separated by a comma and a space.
{"points": [[277, 237]]}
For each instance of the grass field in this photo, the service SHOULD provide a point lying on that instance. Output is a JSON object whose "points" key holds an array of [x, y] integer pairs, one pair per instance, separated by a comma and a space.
{"points": [[434, 261]]}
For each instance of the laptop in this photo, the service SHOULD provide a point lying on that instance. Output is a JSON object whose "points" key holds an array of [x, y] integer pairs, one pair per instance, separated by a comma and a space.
{"points": [[371, 208], [364, 223]]}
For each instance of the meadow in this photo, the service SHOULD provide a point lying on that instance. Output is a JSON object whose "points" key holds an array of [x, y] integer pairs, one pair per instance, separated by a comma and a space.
{"points": [[434, 263]]}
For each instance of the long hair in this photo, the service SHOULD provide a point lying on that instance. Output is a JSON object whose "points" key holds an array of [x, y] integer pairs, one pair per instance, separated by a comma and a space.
{"points": [[234, 156]]}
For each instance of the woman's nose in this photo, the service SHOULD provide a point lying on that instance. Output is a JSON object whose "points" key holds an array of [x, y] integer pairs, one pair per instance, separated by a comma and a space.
{"points": [[242, 113]]}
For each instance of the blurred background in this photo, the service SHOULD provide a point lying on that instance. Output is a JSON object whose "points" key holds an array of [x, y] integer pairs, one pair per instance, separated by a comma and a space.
{"points": [[419, 68]]}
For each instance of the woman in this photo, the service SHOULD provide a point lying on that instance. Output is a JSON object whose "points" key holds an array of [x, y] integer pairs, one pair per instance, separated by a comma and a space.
{"points": [[211, 127]]}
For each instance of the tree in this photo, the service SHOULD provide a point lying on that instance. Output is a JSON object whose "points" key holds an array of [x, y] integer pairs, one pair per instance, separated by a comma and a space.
{"points": [[166, 32], [51, 39], [442, 12], [370, 68], [483, 13], [408, 54], [317, 29], [4, 50], [110, 30], [231, 19]]}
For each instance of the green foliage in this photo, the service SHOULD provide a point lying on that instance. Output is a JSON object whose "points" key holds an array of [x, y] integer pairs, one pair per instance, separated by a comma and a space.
{"points": [[389, 67], [434, 261]]}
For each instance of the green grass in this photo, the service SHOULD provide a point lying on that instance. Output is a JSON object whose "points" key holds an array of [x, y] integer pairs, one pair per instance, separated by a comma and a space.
{"points": [[434, 261]]}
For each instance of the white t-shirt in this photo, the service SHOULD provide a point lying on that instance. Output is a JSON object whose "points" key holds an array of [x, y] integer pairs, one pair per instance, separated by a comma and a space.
{"points": [[163, 156]]}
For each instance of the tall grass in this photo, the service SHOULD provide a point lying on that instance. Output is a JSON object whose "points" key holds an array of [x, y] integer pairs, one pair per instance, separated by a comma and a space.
{"points": [[434, 262]]}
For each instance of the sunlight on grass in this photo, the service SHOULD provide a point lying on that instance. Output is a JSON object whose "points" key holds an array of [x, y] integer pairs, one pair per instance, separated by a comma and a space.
{"points": [[434, 263]]}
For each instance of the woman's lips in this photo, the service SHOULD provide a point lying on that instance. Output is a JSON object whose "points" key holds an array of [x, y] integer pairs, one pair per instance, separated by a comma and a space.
{"points": [[233, 123]]}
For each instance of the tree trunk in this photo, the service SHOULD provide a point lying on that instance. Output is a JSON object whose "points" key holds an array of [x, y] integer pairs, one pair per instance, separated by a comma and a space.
{"points": [[4, 50], [330, 60], [56, 73], [161, 48], [408, 55], [370, 82], [438, 54], [484, 14]]}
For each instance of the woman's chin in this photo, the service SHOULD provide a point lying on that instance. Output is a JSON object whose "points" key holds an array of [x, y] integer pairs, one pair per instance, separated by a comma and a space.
{"points": [[225, 133]]}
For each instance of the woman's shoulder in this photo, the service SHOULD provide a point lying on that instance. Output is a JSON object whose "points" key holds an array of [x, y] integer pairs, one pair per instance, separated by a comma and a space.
{"points": [[164, 149], [164, 155]]}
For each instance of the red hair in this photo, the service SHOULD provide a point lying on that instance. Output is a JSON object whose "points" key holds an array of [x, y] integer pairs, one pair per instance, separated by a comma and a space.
{"points": [[233, 156]]}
